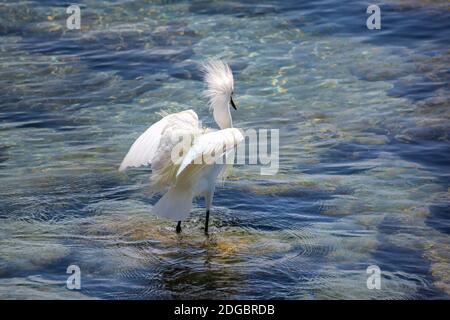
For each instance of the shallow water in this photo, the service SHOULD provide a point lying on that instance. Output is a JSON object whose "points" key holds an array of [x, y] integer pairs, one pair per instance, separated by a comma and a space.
{"points": [[364, 151]]}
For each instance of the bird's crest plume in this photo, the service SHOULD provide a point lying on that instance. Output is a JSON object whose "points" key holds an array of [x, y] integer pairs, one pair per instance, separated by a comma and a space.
{"points": [[219, 81]]}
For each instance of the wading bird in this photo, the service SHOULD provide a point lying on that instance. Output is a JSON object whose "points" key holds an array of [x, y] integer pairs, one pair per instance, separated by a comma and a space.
{"points": [[194, 172]]}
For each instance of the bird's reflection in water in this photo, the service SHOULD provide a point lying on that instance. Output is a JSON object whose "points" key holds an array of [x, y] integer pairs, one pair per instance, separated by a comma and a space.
{"points": [[202, 275]]}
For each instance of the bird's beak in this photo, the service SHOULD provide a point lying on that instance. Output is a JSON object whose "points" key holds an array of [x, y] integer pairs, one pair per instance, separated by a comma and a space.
{"points": [[232, 103]]}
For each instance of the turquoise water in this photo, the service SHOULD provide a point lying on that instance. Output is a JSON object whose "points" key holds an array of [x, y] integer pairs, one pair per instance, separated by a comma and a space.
{"points": [[364, 150]]}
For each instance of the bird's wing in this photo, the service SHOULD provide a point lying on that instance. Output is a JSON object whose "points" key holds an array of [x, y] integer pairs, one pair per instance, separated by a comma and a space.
{"points": [[147, 148], [209, 147]]}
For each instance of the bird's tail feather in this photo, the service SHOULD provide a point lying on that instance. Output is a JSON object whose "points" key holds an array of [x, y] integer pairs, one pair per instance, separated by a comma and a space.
{"points": [[175, 204]]}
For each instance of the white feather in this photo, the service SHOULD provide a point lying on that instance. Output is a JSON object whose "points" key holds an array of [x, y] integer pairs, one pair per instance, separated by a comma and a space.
{"points": [[148, 145], [209, 147], [219, 81], [219, 88]]}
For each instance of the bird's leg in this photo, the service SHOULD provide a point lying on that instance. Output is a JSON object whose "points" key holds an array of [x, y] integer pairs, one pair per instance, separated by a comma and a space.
{"points": [[179, 227], [208, 202], [206, 221]]}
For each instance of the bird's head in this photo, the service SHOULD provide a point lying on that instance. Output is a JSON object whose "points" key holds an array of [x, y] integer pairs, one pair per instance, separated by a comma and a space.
{"points": [[220, 85]]}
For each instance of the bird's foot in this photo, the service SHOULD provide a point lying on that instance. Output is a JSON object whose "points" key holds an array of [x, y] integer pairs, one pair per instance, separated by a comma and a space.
{"points": [[178, 229]]}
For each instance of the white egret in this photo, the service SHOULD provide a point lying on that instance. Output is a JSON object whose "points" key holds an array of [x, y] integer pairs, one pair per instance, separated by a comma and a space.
{"points": [[190, 176]]}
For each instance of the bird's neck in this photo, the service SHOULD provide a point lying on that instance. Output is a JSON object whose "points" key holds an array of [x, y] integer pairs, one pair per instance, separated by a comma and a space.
{"points": [[222, 116]]}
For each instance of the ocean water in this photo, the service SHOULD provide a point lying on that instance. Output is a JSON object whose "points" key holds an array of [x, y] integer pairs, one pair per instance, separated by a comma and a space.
{"points": [[364, 150]]}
